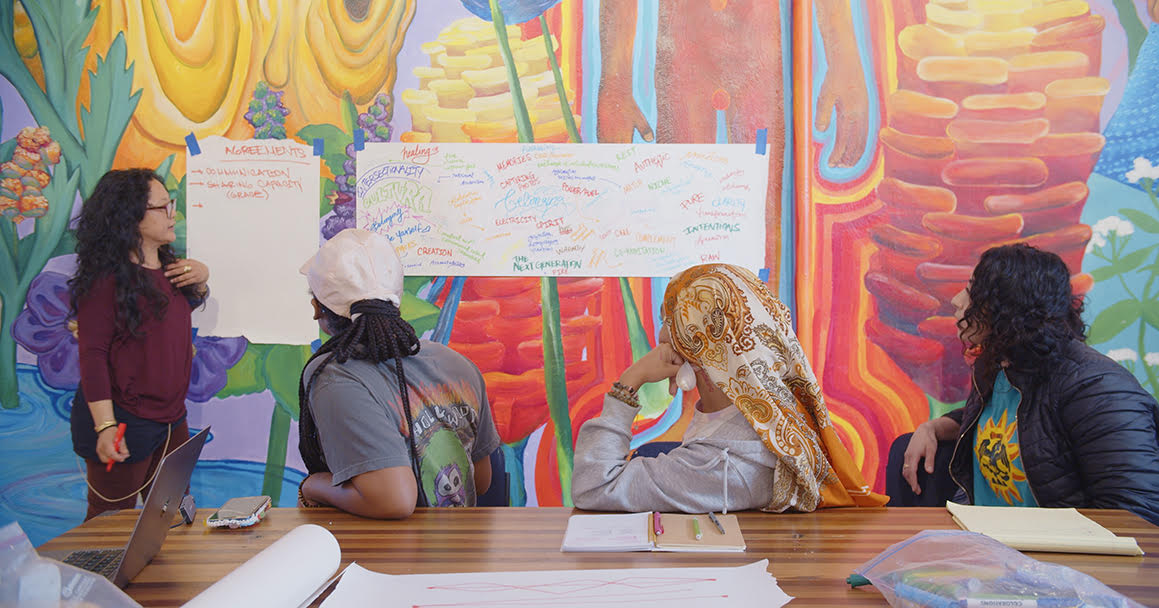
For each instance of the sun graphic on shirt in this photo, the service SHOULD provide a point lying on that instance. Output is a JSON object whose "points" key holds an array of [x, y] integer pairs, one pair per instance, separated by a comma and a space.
{"points": [[997, 455]]}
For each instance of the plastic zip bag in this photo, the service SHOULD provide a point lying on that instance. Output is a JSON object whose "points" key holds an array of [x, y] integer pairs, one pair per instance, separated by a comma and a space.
{"points": [[30, 581], [958, 569]]}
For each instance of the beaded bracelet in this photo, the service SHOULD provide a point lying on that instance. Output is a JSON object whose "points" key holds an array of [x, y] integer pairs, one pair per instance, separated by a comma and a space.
{"points": [[302, 500], [624, 393]]}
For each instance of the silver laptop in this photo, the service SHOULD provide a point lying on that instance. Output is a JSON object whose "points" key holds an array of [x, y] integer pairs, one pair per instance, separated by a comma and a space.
{"points": [[121, 564]]}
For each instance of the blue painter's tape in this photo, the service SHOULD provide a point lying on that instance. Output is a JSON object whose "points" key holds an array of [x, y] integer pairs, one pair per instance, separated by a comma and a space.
{"points": [[191, 141], [764, 275], [359, 139], [762, 140], [319, 146]]}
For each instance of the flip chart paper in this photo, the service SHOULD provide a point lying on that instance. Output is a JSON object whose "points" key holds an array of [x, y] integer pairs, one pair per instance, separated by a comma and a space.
{"points": [[564, 209], [287, 573], [252, 218], [745, 586]]}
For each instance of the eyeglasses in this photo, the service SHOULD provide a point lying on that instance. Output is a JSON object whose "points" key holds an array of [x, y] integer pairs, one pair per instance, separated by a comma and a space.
{"points": [[169, 207]]}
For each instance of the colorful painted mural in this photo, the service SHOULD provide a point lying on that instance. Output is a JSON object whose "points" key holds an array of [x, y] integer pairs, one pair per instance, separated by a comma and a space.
{"points": [[993, 122], [903, 137]]}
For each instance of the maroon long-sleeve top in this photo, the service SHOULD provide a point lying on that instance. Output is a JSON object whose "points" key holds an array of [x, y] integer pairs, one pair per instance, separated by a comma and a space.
{"points": [[146, 374]]}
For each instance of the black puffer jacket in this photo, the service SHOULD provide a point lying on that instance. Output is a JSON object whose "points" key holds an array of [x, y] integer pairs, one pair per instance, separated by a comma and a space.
{"points": [[1088, 436]]}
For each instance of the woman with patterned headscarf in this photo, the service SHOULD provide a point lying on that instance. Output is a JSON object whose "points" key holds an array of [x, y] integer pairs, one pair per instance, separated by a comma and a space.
{"points": [[760, 436]]}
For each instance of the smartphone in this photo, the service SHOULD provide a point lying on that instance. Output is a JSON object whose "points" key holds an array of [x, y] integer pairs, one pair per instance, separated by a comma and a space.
{"points": [[239, 512]]}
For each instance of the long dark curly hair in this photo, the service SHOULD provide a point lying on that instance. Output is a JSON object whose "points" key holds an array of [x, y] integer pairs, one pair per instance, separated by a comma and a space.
{"points": [[378, 334], [108, 237], [1022, 311]]}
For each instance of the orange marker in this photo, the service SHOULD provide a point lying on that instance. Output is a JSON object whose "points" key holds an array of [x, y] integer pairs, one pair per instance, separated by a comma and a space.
{"points": [[116, 445]]}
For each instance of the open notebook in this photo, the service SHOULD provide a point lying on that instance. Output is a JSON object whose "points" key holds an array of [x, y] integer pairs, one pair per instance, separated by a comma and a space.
{"points": [[1040, 529], [635, 532]]}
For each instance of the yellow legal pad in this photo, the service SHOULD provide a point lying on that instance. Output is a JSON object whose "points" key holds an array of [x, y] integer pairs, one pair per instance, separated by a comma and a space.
{"points": [[1041, 529]]}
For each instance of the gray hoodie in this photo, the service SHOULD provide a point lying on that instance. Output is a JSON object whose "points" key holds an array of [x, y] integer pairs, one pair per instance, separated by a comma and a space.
{"points": [[731, 464]]}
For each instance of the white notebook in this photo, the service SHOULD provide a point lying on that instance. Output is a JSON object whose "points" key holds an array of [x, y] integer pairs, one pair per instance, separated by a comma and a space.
{"points": [[636, 532], [1041, 529]]}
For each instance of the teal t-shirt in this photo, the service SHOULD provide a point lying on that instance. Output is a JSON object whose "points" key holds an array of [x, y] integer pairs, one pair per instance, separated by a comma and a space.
{"points": [[999, 476]]}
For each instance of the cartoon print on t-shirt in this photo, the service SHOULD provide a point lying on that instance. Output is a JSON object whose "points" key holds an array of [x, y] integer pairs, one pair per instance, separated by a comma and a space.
{"points": [[448, 479], [997, 450], [449, 488]]}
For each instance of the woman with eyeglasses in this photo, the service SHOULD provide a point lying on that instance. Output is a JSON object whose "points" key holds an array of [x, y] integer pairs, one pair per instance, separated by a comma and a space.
{"points": [[133, 300]]}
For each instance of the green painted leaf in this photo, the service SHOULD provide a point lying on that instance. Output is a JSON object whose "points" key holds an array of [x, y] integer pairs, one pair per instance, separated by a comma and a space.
{"points": [[328, 188], [111, 105], [61, 194], [283, 369], [6, 150], [1144, 222], [179, 228], [179, 245], [349, 114], [414, 284], [245, 377], [336, 142], [1124, 264], [165, 170], [654, 396], [421, 314], [61, 27], [1113, 320], [1151, 313], [939, 408], [66, 244]]}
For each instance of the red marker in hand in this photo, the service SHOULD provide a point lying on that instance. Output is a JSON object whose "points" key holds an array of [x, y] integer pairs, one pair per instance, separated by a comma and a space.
{"points": [[116, 445]]}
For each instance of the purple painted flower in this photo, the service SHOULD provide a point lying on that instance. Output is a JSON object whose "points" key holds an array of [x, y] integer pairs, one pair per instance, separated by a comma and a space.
{"points": [[514, 11], [45, 329], [212, 358]]}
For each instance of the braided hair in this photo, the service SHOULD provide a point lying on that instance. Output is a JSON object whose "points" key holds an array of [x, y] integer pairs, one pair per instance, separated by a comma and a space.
{"points": [[376, 334]]}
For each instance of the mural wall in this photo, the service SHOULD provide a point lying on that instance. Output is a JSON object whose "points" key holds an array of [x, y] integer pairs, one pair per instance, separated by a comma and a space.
{"points": [[992, 122], [903, 137]]}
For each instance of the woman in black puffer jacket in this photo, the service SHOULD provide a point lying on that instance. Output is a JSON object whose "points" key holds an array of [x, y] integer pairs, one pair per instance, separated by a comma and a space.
{"points": [[1049, 421]]}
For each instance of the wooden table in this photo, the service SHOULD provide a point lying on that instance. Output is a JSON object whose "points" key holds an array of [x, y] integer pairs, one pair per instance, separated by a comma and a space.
{"points": [[809, 554]]}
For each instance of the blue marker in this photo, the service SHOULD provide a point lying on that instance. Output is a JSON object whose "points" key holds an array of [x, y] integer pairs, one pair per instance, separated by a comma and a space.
{"points": [[923, 597]]}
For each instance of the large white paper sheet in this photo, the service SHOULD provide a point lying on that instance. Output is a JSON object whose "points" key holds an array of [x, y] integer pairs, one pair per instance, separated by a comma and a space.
{"points": [[252, 217], [564, 209], [741, 586]]}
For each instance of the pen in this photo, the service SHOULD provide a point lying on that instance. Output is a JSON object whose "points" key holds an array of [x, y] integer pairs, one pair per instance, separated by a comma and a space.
{"points": [[657, 527], [696, 527], [716, 522], [116, 445]]}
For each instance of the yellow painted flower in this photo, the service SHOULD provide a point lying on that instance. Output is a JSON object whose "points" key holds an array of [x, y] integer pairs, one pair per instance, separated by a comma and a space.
{"points": [[197, 62], [464, 95]]}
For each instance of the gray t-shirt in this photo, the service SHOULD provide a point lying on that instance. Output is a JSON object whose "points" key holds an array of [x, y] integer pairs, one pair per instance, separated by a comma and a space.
{"points": [[357, 409]]}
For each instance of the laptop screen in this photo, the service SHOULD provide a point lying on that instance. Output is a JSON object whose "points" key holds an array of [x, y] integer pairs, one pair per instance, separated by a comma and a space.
{"points": [[161, 507]]}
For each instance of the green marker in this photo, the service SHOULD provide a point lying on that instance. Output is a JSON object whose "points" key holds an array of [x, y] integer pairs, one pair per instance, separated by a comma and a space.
{"points": [[696, 527]]}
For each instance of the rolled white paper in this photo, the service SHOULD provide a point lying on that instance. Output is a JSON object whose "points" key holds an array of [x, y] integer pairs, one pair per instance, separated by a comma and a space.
{"points": [[287, 573]]}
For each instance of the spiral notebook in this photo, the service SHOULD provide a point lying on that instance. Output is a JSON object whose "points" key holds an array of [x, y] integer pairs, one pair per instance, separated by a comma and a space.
{"points": [[636, 532]]}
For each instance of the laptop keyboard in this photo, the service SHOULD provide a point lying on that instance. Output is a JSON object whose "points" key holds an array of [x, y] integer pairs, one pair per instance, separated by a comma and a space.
{"points": [[102, 561]]}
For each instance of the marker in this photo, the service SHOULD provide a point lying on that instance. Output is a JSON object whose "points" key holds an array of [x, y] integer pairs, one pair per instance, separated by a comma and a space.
{"points": [[696, 527], [856, 580], [657, 527], [716, 522], [116, 445]]}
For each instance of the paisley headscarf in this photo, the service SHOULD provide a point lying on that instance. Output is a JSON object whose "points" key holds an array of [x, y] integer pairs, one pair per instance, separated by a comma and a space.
{"points": [[724, 320]]}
